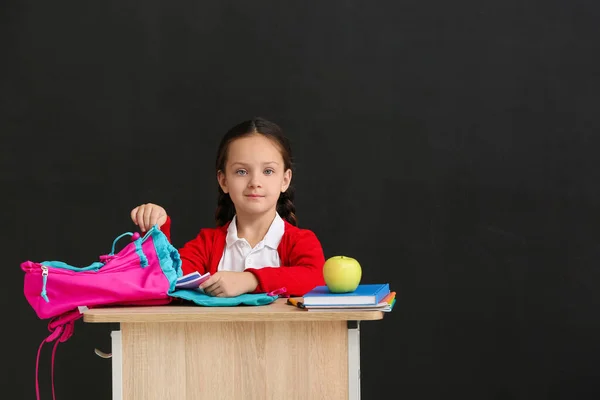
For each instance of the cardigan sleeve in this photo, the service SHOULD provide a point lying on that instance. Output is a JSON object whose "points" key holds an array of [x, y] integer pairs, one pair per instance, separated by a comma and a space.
{"points": [[166, 228], [194, 254], [301, 271]]}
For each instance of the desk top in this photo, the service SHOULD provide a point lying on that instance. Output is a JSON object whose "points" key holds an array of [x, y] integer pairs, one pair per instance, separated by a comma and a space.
{"points": [[276, 311]]}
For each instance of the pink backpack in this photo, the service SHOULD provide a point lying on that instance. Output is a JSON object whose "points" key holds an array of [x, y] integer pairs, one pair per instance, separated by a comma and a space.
{"points": [[144, 272]]}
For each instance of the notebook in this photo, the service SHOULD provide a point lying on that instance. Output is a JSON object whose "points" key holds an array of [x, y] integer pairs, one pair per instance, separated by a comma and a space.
{"points": [[191, 280], [367, 294], [385, 305]]}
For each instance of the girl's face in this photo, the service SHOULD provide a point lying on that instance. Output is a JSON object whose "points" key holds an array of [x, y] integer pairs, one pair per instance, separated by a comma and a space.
{"points": [[254, 175]]}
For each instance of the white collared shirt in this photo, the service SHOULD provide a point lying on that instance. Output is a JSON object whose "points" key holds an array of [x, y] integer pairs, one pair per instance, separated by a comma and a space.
{"points": [[238, 255]]}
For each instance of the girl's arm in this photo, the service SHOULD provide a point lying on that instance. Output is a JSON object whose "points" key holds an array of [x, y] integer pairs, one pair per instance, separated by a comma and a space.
{"points": [[303, 272]]}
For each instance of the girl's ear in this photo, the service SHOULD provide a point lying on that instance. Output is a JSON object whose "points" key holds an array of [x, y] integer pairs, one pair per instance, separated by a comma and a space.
{"points": [[287, 179], [222, 180]]}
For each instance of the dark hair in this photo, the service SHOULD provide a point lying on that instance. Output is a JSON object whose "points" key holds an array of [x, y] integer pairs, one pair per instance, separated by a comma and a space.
{"points": [[285, 203]]}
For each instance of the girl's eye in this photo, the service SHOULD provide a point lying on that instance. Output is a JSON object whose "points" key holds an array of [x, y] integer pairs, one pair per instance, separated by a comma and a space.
{"points": [[241, 172], [269, 172]]}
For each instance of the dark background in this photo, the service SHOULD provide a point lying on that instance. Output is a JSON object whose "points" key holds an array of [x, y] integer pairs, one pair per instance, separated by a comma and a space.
{"points": [[451, 147]]}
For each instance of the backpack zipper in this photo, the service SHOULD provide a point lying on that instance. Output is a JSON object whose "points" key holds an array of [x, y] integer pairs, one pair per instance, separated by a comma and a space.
{"points": [[44, 280]]}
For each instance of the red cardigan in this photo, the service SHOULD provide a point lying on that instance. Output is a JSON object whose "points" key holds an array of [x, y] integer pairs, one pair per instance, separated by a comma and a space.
{"points": [[300, 253]]}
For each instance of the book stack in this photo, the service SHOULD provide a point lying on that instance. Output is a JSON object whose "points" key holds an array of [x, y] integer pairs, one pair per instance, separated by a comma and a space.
{"points": [[374, 297]]}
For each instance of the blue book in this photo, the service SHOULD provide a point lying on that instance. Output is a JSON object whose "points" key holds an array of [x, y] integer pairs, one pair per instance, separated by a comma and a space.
{"points": [[368, 294], [191, 280]]}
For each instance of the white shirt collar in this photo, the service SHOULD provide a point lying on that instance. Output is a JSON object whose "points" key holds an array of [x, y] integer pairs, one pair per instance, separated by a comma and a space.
{"points": [[271, 239]]}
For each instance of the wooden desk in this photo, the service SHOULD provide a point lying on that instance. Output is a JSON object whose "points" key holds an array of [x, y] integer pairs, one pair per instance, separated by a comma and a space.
{"points": [[266, 352]]}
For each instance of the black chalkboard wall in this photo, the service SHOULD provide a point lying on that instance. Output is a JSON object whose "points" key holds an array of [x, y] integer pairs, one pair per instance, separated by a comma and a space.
{"points": [[451, 147]]}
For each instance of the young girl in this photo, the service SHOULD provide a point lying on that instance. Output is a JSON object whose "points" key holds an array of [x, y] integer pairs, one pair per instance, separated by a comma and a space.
{"points": [[256, 246]]}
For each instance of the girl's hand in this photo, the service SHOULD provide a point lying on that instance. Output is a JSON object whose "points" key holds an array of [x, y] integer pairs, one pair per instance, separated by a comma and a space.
{"points": [[147, 215], [229, 284]]}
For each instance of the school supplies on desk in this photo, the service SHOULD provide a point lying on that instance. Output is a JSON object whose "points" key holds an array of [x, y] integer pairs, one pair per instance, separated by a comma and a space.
{"points": [[295, 303], [364, 295], [191, 281], [385, 305]]}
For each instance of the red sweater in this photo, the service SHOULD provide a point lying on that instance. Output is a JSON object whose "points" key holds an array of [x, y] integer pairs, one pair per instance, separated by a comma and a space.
{"points": [[300, 253]]}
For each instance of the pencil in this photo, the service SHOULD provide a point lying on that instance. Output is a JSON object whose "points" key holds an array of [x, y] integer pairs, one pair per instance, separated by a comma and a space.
{"points": [[389, 298], [295, 303]]}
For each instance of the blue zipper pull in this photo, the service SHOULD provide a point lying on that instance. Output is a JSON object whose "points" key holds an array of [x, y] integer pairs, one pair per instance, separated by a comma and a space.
{"points": [[44, 281]]}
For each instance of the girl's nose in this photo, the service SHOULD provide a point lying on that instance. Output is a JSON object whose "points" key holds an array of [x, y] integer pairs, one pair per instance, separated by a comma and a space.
{"points": [[254, 180]]}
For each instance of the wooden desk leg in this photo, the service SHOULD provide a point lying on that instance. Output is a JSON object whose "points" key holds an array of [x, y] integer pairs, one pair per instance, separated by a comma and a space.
{"points": [[117, 365], [353, 360]]}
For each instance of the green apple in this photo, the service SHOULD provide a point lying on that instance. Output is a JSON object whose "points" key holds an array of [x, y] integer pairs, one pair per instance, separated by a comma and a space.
{"points": [[342, 274]]}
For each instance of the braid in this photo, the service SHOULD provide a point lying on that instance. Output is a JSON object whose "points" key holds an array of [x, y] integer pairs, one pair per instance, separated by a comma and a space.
{"points": [[286, 207], [225, 209]]}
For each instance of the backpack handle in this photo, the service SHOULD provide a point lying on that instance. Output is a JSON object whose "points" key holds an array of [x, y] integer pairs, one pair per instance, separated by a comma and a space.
{"points": [[137, 239], [112, 251]]}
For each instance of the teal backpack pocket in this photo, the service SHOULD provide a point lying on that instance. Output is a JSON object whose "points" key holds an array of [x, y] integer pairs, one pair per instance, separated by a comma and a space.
{"points": [[201, 299]]}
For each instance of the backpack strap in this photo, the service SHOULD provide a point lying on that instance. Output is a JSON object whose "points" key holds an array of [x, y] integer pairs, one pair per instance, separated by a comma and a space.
{"points": [[61, 329]]}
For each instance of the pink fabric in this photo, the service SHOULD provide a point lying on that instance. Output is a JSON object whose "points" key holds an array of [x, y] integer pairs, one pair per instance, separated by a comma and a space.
{"points": [[121, 281], [61, 329]]}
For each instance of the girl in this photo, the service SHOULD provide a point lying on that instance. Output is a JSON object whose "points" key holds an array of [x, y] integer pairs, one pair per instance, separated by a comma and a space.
{"points": [[256, 246]]}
